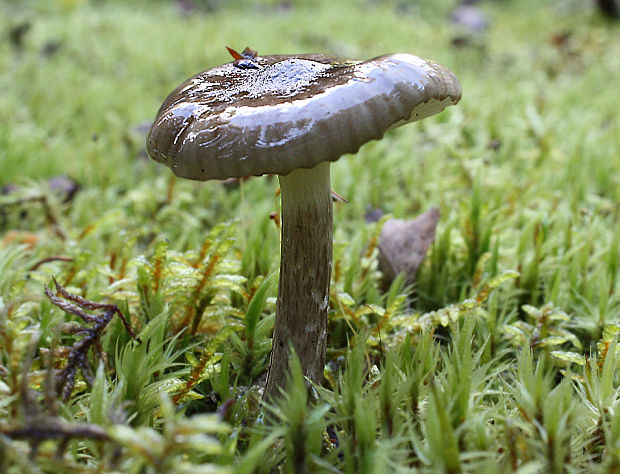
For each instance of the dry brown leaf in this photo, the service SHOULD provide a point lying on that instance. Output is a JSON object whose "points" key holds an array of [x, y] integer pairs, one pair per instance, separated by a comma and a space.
{"points": [[403, 245]]}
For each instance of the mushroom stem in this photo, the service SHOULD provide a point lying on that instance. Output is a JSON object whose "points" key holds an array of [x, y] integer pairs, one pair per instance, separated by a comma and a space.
{"points": [[305, 272]]}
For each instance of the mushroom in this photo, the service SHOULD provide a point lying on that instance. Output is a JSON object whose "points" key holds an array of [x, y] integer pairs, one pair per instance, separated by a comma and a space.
{"points": [[292, 115]]}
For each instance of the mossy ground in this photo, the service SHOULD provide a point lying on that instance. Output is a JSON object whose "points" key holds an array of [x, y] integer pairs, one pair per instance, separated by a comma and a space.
{"points": [[504, 354]]}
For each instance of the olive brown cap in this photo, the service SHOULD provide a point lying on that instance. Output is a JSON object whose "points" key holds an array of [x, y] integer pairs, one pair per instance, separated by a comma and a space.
{"points": [[273, 114]]}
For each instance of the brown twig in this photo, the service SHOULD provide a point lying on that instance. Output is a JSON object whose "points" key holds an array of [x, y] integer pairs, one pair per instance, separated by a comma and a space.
{"points": [[58, 258], [77, 358]]}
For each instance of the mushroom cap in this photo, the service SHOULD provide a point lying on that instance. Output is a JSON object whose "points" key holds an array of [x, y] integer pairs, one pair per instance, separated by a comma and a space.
{"points": [[287, 112]]}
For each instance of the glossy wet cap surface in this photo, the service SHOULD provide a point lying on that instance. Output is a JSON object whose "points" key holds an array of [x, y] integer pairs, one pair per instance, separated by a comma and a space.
{"points": [[274, 114]]}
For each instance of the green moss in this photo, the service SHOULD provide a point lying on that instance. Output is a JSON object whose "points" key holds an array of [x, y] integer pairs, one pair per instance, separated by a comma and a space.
{"points": [[473, 368]]}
